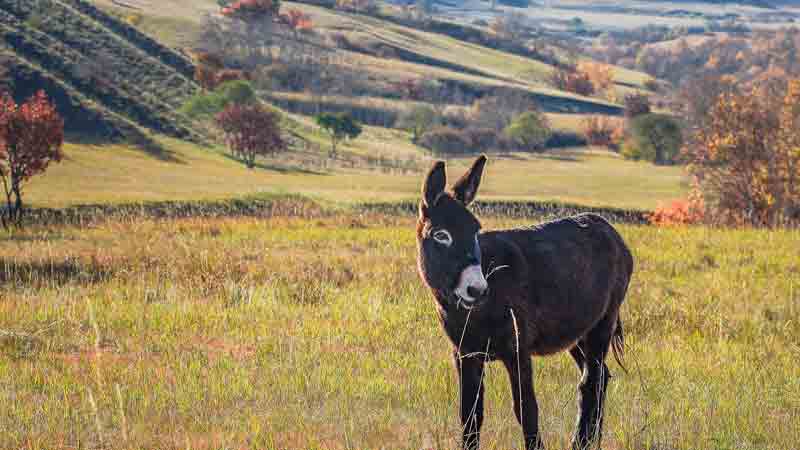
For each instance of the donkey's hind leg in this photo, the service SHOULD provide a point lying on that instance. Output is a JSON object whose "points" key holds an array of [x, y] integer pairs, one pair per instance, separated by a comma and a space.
{"points": [[590, 354]]}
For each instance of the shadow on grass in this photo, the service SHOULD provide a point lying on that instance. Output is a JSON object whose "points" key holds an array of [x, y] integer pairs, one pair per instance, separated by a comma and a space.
{"points": [[555, 155], [153, 148], [138, 140], [282, 169]]}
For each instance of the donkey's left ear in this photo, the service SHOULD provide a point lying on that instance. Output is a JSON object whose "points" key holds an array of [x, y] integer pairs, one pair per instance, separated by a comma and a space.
{"points": [[466, 187]]}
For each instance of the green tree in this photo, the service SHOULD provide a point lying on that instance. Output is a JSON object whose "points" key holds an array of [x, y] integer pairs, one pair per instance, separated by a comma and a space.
{"points": [[654, 137], [338, 126], [418, 120], [531, 130]]}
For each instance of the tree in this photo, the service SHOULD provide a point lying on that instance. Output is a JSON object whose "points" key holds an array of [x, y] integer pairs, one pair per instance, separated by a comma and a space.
{"points": [[251, 131], [747, 157], [338, 126], [571, 80], [418, 120], [600, 75], [654, 137], [31, 137], [530, 129]]}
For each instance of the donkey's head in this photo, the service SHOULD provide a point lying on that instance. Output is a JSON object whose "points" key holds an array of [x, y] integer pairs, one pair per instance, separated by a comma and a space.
{"points": [[447, 237]]}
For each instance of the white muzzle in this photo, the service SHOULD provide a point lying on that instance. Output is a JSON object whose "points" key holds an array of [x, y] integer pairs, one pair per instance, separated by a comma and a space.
{"points": [[471, 277]]}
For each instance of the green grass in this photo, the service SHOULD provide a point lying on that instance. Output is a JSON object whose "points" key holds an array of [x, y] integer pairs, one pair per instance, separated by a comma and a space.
{"points": [[289, 333], [184, 171]]}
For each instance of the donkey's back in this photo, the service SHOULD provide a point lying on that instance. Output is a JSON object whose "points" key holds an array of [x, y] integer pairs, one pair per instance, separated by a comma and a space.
{"points": [[575, 273]]}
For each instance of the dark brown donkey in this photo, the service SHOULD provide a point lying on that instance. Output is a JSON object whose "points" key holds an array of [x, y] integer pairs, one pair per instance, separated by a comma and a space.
{"points": [[508, 295]]}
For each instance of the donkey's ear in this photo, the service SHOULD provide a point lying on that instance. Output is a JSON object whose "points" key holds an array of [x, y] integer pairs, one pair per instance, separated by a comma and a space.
{"points": [[434, 184], [466, 188]]}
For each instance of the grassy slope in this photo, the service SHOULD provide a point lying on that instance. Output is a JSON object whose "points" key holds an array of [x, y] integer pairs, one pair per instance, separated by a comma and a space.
{"points": [[317, 334], [120, 174], [176, 21], [136, 77]]}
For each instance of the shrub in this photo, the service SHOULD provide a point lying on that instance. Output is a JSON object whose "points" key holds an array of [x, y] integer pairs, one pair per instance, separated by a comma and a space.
{"points": [[570, 80], [240, 92], [447, 141], [529, 131], [205, 105], [680, 212], [657, 138], [601, 130], [484, 139]]}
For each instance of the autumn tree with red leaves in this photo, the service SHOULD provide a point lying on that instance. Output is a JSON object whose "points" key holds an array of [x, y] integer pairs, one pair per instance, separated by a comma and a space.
{"points": [[251, 131], [31, 137]]}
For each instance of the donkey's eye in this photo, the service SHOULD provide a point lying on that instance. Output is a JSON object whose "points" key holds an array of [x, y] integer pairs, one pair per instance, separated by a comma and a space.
{"points": [[443, 237]]}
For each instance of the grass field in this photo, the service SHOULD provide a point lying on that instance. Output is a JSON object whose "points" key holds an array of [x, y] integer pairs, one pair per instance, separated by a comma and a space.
{"points": [[316, 333], [183, 171]]}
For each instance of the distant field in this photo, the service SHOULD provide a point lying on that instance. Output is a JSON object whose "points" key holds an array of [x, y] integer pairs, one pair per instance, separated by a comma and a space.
{"points": [[121, 174], [289, 333]]}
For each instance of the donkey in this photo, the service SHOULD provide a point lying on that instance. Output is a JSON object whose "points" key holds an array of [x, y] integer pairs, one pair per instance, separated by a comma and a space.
{"points": [[507, 295]]}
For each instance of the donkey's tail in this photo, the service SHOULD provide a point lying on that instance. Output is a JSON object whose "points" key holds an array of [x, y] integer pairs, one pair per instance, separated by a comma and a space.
{"points": [[618, 345]]}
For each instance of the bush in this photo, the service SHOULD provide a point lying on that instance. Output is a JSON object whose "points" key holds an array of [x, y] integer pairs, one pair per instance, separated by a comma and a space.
{"points": [[601, 130], [680, 212], [573, 81], [447, 141], [239, 92], [485, 139], [208, 104], [656, 137], [529, 131]]}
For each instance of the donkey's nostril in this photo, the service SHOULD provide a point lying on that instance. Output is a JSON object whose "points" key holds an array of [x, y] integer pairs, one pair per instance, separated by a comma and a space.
{"points": [[475, 292]]}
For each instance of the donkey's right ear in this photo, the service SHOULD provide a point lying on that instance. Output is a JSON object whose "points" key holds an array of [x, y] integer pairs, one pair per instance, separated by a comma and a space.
{"points": [[434, 184]]}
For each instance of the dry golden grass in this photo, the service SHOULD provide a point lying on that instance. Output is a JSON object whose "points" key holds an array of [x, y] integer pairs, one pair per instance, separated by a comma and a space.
{"points": [[122, 174], [288, 333]]}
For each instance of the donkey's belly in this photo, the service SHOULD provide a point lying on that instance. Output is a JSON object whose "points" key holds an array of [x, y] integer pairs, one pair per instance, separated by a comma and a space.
{"points": [[557, 328]]}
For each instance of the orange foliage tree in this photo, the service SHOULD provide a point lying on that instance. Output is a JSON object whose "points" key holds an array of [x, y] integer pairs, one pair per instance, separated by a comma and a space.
{"points": [[747, 157], [251, 131], [602, 130], [31, 137], [600, 75]]}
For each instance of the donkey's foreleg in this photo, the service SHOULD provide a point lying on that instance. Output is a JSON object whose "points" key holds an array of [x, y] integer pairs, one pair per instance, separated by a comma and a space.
{"points": [[520, 373], [470, 378]]}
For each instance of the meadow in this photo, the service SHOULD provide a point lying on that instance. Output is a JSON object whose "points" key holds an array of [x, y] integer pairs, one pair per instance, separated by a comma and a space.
{"points": [[315, 332]]}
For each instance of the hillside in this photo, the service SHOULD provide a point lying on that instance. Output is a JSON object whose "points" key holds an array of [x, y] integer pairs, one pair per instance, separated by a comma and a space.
{"points": [[106, 77]]}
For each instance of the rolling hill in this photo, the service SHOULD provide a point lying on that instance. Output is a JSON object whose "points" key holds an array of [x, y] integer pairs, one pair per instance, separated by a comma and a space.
{"points": [[106, 77]]}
